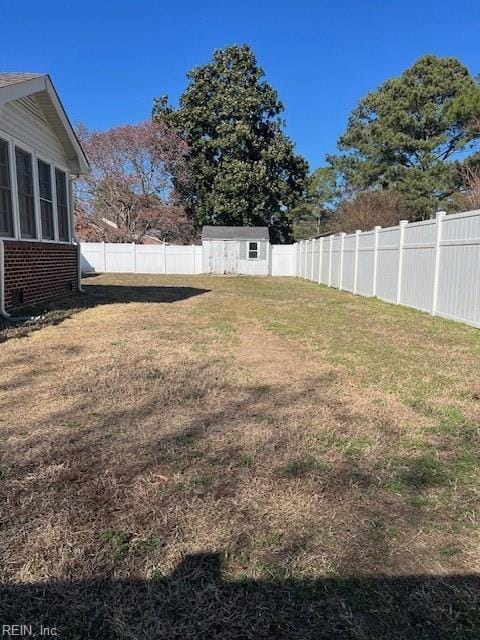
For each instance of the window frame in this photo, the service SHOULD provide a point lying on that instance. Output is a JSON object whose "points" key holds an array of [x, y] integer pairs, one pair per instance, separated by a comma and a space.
{"points": [[10, 189], [67, 202], [256, 251], [33, 178], [41, 199], [13, 142]]}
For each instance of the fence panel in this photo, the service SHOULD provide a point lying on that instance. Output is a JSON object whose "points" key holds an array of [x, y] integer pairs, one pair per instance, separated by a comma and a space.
{"points": [[418, 265], [284, 259], [433, 265], [325, 262], [180, 259], [315, 260], [349, 257], [388, 253], [92, 257], [308, 261], [366, 263], [150, 258], [336, 262], [458, 288], [119, 258]]}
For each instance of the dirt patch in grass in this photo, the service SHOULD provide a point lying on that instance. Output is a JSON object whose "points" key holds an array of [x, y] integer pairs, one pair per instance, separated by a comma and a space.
{"points": [[182, 453]]}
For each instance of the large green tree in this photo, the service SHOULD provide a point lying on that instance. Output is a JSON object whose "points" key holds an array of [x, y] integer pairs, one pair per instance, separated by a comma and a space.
{"points": [[242, 166], [404, 136], [466, 108]]}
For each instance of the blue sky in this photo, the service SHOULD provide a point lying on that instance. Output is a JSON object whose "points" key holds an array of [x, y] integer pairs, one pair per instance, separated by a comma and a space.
{"points": [[109, 58]]}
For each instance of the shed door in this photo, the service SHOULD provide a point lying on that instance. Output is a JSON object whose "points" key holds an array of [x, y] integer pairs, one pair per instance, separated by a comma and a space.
{"points": [[230, 254], [223, 257]]}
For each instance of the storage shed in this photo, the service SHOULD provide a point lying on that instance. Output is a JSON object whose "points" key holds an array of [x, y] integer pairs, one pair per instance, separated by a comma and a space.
{"points": [[236, 250]]}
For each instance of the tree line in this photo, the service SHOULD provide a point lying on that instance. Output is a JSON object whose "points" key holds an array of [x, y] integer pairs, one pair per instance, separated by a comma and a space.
{"points": [[222, 157]]}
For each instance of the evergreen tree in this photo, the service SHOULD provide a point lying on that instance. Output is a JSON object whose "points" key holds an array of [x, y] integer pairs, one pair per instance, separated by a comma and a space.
{"points": [[243, 168], [404, 136]]}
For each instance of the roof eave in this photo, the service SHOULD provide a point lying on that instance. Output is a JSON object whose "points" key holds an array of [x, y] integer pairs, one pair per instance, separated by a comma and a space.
{"points": [[77, 165], [83, 167]]}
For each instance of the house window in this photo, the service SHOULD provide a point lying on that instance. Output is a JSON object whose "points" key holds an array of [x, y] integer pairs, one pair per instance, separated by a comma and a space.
{"points": [[6, 217], [26, 200], [46, 200], [62, 205], [252, 250]]}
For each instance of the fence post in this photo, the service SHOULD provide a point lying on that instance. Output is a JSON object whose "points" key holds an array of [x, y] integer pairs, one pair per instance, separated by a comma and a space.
{"points": [[375, 260], [440, 215], [401, 242], [320, 260], [330, 262], [134, 257], [165, 258], [355, 264], [342, 248], [104, 258]]}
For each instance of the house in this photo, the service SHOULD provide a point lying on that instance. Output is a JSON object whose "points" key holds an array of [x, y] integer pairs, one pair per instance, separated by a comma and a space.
{"points": [[39, 157], [89, 229], [236, 250]]}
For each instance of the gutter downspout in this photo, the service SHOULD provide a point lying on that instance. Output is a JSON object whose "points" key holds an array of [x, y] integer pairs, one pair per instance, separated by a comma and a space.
{"points": [[75, 241], [79, 267], [3, 312]]}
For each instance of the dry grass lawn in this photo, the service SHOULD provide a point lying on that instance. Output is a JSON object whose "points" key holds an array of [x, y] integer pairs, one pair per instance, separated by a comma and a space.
{"points": [[203, 457]]}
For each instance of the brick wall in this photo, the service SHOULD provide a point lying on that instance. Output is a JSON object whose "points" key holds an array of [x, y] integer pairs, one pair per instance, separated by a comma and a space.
{"points": [[39, 271]]}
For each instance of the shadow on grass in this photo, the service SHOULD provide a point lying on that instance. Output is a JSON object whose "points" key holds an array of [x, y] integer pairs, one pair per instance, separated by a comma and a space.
{"points": [[196, 602], [108, 294], [56, 311]]}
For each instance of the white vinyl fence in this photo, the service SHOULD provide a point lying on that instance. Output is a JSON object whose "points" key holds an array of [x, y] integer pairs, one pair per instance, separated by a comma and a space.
{"points": [[432, 265], [104, 257], [122, 257]]}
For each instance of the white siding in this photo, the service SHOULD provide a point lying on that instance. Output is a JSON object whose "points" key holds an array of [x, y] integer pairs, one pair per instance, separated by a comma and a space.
{"points": [[20, 120], [231, 257]]}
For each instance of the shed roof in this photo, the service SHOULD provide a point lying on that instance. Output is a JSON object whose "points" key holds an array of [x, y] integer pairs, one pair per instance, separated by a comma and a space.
{"points": [[234, 233], [14, 86]]}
